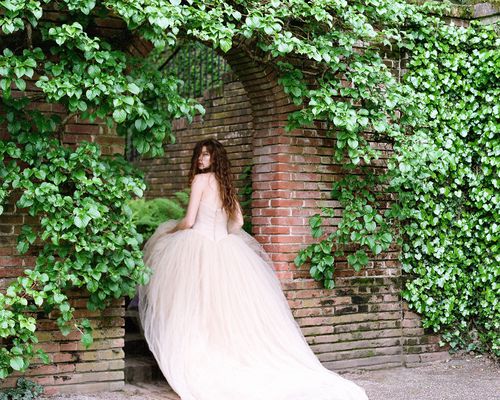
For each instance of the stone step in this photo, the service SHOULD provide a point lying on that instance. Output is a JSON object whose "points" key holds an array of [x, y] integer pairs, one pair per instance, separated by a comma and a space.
{"points": [[140, 369], [135, 344], [140, 365], [132, 321]]}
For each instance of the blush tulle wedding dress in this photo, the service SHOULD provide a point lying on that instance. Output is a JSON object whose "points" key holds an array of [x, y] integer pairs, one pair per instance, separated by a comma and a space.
{"points": [[216, 319]]}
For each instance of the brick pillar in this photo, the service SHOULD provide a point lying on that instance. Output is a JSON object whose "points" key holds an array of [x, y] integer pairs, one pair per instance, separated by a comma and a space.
{"points": [[273, 189], [359, 323]]}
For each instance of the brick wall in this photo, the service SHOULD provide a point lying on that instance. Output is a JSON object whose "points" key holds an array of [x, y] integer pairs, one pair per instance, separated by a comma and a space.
{"points": [[75, 368], [228, 119]]}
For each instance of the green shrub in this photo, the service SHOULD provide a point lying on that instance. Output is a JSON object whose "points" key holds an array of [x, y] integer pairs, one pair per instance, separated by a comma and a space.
{"points": [[148, 214], [24, 390]]}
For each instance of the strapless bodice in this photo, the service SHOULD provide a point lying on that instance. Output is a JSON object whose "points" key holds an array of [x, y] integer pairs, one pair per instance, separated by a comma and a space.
{"points": [[211, 220]]}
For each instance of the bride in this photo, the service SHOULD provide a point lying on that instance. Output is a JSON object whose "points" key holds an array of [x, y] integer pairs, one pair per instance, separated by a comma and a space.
{"points": [[214, 314]]}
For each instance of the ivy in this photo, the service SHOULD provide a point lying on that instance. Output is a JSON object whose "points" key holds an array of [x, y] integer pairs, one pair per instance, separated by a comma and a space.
{"points": [[361, 224], [24, 390], [448, 204], [16, 12], [14, 68], [80, 198], [86, 238]]}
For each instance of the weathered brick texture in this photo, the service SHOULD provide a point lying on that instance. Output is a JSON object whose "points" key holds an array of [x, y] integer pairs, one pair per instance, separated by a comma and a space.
{"points": [[228, 118]]}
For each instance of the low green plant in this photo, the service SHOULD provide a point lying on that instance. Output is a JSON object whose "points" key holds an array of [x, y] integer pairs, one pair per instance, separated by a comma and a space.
{"points": [[24, 390], [147, 215]]}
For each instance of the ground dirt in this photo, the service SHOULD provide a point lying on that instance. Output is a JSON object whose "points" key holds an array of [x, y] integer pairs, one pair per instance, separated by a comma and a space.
{"points": [[460, 378]]}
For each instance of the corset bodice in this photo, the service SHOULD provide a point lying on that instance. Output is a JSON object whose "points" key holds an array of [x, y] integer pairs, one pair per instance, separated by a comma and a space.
{"points": [[211, 220]]}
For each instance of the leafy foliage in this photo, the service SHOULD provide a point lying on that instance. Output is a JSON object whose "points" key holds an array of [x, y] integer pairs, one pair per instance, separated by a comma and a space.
{"points": [[148, 214], [89, 240], [449, 202], [24, 390], [447, 209], [361, 224], [330, 59], [79, 197]]}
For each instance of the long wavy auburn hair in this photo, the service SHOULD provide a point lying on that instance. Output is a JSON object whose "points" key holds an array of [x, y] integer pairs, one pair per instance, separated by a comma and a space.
{"points": [[221, 167]]}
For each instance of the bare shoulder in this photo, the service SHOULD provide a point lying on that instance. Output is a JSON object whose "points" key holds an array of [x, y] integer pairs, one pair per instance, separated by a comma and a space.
{"points": [[205, 176], [206, 182], [201, 179]]}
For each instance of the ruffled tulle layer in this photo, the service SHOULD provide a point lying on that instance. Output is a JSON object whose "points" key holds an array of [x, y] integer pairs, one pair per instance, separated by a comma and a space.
{"points": [[216, 319]]}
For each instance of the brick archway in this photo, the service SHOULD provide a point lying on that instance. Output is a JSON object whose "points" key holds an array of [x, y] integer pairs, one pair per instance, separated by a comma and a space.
{"points": [[248, 114], [362, 323]]}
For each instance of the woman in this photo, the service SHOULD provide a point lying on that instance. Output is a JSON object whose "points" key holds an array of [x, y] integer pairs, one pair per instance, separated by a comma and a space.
{"points": [[214, 314]]}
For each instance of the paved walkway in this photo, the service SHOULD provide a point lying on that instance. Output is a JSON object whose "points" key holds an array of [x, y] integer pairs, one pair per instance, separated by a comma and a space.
{"points": [[461, 378], [457, 379]]}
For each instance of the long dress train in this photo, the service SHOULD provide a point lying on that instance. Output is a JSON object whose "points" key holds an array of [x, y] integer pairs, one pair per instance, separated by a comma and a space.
{"points": [[216, 319]]}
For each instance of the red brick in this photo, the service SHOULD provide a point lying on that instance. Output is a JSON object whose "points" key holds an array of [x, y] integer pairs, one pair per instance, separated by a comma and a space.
{"points": [[82, 129]]}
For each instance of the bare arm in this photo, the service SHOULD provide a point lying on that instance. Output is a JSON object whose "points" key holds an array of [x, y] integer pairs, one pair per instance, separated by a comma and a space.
{"points": [[235, 223], [197, 187]]}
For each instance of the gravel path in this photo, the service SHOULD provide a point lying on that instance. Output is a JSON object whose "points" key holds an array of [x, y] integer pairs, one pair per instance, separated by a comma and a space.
{"points": [[465, 378], [460, 378]]}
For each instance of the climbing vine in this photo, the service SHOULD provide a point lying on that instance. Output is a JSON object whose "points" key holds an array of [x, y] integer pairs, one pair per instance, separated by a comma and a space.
{"points": [[85, 237], [446, 176], [79, 197], [328, 54]]}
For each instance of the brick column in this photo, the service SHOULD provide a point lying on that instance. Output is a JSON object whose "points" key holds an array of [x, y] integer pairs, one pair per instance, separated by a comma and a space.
{"points": [[359, 323]]}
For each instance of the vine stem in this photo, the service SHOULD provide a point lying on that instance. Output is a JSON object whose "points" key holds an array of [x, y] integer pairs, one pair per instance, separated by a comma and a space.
{"points": [[59, 131], [29, 35]]}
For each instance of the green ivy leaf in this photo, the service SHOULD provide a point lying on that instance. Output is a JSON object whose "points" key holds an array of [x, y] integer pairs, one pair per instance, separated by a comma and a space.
{"points": [[87, 340], [119, 115], [17, 363]]}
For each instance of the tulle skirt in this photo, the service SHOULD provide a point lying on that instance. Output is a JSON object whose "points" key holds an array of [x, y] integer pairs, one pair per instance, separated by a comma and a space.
{"points": [[216, 319]]}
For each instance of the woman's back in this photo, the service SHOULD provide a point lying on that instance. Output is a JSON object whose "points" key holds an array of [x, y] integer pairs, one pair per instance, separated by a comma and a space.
{"points": [[211, 218]]}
